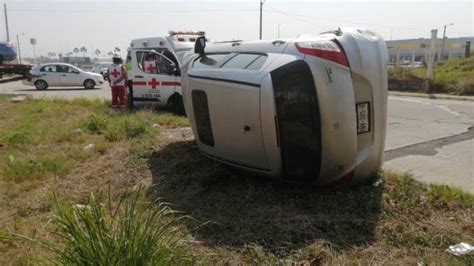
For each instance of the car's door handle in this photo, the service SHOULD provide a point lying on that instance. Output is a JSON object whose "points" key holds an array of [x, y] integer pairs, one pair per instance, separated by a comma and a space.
{"points": [[139, 77]]}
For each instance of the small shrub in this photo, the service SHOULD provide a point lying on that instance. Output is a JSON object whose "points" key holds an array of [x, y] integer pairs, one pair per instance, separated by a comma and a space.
{"points": [[95, 123], [20, 168], [133, 233], [135, 128]]}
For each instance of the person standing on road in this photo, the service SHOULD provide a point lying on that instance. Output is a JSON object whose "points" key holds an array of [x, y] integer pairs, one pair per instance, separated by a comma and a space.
{"points": [[117, 78]]}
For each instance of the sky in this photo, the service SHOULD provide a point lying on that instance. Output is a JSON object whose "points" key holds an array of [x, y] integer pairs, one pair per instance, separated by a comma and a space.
{"points": [[60, 26]]}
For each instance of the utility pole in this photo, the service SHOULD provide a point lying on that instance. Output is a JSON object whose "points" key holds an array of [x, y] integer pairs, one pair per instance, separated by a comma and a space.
{"points": [[6, 21], [261, 8], [431, 54], [444, 37], [19, 48]]}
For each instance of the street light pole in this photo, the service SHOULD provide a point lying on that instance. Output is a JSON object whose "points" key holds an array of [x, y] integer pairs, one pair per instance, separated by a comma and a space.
{"points": [[444, 37], [261, 7], [19, 48], [6, 21]]}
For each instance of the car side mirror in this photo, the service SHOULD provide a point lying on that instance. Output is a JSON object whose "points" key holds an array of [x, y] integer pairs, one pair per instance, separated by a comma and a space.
{"points": [[199, 45], [177, 72]]}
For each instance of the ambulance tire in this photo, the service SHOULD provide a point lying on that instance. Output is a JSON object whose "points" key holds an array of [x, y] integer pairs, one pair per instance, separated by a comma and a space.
{"points": [[129, 95], [178, 105]]}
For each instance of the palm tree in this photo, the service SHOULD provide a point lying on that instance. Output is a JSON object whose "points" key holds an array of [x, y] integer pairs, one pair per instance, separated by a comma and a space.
{"points": [[76, 50], [97, 52], [84, 51], [117, 50], [110, 53]]}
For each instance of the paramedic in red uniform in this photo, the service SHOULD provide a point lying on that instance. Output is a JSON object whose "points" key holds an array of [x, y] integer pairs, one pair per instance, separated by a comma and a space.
{"points": [[117, 79]]}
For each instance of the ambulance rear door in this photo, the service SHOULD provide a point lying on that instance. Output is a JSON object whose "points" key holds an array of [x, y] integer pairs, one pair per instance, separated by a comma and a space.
{"points": [[155, 82]]}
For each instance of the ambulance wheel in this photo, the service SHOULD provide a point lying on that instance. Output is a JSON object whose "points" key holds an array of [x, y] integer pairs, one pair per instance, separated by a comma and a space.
{"points": [[178, 105], [130, 95], [129, 101], [41, 85], [89, 84]]}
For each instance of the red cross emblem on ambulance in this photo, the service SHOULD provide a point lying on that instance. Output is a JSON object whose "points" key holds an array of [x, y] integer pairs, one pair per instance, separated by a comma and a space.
{"points": [[153, 83]]}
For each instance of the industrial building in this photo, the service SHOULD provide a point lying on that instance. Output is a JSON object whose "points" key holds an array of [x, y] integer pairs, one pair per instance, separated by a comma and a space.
{"points": [[416, 50]]}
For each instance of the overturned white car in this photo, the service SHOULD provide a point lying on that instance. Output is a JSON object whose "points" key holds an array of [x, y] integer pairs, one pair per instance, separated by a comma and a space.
{"points": [[308, 109]]}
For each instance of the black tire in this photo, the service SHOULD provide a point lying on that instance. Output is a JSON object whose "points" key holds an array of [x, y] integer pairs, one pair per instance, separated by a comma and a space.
{"points": [[130, 103], [41, 85], [178, 105], [89, 84]]}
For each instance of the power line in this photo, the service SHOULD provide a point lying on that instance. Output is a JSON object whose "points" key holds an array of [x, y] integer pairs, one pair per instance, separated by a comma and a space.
{"points": [[271, 9], [160, 11]]}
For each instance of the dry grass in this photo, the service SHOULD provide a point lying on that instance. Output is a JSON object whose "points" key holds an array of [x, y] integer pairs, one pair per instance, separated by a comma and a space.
{"points": [[238, 218]]}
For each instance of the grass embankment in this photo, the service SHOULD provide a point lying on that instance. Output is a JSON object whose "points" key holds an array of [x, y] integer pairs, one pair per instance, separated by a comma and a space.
{"points": [[237, 217], [454, 76]]}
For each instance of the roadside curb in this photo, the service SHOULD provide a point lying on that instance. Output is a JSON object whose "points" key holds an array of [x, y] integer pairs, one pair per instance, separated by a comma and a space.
{"points": [[432, 96]]}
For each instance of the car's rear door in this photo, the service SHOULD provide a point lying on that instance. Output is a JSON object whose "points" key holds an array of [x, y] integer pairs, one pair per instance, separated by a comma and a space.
{"points": [[50, 74]]}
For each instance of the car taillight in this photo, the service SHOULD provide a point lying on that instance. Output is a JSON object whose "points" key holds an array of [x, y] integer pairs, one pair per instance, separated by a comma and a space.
{"points": [[326, 49]]}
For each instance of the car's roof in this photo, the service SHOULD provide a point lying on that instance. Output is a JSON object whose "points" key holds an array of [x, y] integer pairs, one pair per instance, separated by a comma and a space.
{"points": [[56, 63]]}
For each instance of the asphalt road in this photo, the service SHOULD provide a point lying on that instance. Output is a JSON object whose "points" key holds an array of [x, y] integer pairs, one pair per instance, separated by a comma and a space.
{"points": [[430, 138]]}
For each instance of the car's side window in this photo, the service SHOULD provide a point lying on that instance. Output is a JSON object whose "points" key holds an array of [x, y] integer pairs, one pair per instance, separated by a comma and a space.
{"points": [[257, 63], [241, 61], [62, 69], [210, 60], [50, 68]]}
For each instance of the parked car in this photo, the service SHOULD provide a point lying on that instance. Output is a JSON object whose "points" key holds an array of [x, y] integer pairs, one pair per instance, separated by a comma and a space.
{"points": [[62, 75], [101, 68], [7, 52], [311, 109]]}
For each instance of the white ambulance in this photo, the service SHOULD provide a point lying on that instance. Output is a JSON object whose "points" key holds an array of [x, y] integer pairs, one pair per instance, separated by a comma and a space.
{"points": [[153, 66]]}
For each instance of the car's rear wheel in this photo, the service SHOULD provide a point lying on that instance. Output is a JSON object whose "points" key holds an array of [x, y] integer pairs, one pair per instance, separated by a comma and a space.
{"points": [[41, 85], [89, 84]]}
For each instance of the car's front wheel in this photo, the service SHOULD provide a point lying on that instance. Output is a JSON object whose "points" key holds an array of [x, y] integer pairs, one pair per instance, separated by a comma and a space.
{"points": [[41, 85], [89, 84]]}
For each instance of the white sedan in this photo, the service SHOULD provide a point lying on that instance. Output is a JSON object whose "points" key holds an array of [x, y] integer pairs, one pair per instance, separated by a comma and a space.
{"points": [[62, 75]]}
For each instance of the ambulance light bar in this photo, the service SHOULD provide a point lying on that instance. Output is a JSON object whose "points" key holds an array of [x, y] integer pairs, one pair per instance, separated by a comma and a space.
{"points": [[176, 32]]}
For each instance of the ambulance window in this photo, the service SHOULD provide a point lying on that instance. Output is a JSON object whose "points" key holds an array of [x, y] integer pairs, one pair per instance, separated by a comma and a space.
{"points": [[240, 61], [153, 63], [209, 61], [257, 63]]}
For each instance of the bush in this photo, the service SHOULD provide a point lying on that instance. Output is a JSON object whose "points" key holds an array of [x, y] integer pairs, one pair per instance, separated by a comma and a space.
{"points": [[94, 123], [133, 233]]}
